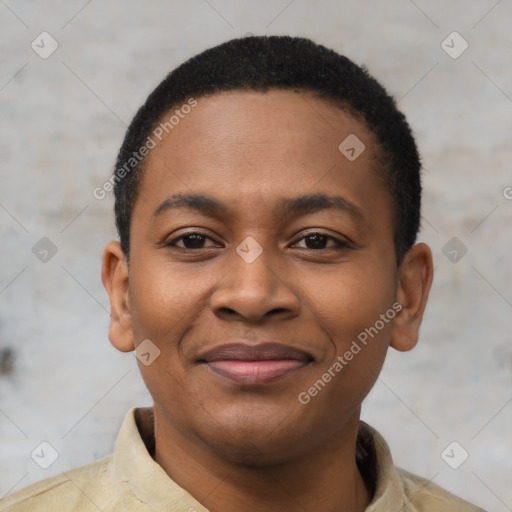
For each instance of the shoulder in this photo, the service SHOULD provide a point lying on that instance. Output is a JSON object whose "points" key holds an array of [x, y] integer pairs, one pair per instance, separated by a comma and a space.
{"points": [[423, 495], [85, 489]]}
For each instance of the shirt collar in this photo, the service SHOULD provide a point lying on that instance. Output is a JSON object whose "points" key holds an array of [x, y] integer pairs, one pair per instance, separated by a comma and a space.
{"points": [[374, 458], [136, 474]]}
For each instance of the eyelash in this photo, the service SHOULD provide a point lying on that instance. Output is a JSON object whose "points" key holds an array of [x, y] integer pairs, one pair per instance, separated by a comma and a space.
{"points": [[340, 243]]}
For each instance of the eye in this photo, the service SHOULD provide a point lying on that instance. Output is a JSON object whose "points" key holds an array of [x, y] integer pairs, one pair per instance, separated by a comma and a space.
{"points": [[312, 241], [192, 240], [318, 241]]}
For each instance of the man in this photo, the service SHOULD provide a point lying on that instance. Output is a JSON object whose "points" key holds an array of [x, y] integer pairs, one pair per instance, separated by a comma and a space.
{"points": [[267, 199]]}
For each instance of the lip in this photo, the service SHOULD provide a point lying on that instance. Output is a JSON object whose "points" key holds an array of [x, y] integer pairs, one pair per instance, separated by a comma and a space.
{"points": [[255, 364]]}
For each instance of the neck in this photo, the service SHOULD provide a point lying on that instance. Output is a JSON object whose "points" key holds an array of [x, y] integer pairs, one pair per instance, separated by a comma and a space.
{"points": [[327, 478]]}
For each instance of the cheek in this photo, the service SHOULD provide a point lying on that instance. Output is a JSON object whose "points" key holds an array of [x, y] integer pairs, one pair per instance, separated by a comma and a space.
{"points": [[354, 306], [349, 300], [165, 304], [163, 300]]}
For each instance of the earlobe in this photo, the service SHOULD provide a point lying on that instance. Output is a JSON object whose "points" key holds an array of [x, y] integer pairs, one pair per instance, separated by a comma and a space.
{"points": [[114, 275], [414, 282]]}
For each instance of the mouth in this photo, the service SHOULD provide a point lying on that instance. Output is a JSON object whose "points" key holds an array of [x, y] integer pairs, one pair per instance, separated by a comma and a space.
{"points": [[253, 365]]}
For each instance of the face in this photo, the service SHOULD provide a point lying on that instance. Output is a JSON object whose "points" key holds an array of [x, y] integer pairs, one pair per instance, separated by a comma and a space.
{"points": [[259, 254]]}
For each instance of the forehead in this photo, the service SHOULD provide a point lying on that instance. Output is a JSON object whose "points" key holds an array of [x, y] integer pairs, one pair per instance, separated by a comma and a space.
{"points": [[254, 117], [253, 146]]}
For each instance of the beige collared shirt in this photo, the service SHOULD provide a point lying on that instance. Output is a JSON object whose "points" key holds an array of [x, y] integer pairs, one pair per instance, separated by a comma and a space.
{"points": [[130, 480]]}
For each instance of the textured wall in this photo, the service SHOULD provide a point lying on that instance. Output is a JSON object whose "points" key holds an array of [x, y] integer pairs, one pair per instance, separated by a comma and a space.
{"points": [[62, 120]]}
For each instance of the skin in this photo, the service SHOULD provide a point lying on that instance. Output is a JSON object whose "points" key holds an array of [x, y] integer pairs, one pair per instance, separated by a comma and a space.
{"points": [[257, 448]]}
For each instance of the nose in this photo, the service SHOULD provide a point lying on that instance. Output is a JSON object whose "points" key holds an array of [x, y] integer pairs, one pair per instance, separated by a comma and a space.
{"points": [[254, 291]]}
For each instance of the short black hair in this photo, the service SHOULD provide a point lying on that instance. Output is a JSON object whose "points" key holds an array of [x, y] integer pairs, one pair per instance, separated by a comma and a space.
{"points": [[262, 63]]}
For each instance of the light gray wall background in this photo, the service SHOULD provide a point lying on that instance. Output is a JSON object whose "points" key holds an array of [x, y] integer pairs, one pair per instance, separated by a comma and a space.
{"points": [[62, 121]]}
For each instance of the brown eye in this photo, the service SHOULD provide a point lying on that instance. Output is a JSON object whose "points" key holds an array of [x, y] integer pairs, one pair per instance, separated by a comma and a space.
{"points": [[318, 241], [190, 241]]}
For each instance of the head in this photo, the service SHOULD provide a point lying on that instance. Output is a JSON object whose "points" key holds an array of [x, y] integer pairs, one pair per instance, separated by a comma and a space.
{"points": [[277, 201]]}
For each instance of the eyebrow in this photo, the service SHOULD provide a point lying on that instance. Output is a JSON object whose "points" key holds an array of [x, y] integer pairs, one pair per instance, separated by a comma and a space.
{"points": [[312, 203], [199, 202], [299, 205]]}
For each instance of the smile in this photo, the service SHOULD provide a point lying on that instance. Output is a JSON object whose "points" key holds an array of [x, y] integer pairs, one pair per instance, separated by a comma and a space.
{"points": [[253, 365]]}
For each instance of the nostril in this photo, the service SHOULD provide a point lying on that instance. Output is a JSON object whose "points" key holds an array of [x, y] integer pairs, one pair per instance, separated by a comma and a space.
{"points": [[229, 311], [278, 310]]}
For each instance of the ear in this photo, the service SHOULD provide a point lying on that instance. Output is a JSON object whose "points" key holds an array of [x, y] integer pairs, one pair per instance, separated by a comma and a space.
{"points": [[414, 281], [114, 275]]}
